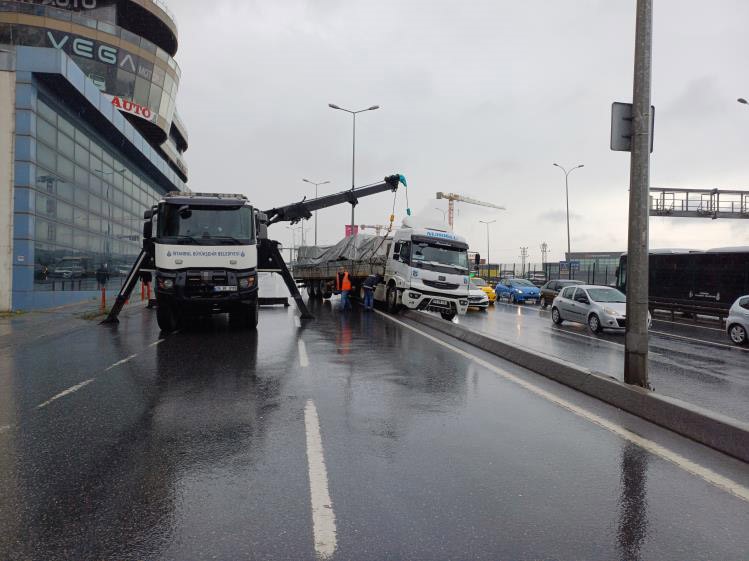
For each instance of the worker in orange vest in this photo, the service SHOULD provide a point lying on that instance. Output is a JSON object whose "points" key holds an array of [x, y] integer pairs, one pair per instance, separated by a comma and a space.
{"points": [[343, 285]]}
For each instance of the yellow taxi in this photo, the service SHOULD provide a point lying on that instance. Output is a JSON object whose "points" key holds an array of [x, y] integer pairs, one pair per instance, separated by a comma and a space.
{"points": [[483, 285]]}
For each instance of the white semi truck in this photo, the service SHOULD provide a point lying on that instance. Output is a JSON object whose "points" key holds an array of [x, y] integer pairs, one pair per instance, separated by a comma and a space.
{"points": [[204, 250], [421, 269]]}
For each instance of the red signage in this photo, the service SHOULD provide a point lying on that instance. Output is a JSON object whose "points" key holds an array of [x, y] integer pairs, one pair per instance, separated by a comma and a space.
{"points": [[348, 230], [133, 108]]}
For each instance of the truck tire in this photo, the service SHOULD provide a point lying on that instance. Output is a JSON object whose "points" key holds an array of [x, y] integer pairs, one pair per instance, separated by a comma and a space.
{"points": [[392, 300], [166, 317], [253, 315], [245, 316], [449, 316]]}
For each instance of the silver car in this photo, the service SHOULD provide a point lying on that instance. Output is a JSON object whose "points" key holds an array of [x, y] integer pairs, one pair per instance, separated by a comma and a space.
{"points": [[737, 324], [599, 307]]}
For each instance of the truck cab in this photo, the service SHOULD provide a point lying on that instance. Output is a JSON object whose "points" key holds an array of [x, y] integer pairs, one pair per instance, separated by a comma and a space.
{"points": [[427, 269], [205, 258]]}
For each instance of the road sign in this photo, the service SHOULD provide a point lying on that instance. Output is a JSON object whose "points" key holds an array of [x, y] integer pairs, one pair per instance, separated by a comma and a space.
{"points": [[621, 127], [565, 265]]}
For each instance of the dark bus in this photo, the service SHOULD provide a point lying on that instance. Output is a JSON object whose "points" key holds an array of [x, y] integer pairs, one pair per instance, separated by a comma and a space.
{"points": [[694, 282]]}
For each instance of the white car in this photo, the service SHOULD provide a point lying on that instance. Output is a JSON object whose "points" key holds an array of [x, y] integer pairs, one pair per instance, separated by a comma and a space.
{"points": [[737, 324], [477, 298], [599, 307]]}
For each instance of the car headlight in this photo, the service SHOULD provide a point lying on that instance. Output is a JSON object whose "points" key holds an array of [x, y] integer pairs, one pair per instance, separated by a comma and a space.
{"points": [[611, 312], [518, 291]]}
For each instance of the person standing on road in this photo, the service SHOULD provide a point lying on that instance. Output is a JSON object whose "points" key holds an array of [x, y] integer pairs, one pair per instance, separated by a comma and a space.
{"points": [[343, 285], [369, 287]]}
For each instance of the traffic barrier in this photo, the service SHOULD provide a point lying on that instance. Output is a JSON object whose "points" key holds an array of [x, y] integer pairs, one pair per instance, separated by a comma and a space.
{"points": [[717, 431]]}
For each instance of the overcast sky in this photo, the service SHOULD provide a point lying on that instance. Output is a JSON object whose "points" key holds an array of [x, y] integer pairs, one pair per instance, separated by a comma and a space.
{"points": [[478, 98]]}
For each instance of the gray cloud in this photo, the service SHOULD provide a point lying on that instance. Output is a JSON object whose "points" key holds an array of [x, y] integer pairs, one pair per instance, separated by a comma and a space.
{"points": [[477, 98]]}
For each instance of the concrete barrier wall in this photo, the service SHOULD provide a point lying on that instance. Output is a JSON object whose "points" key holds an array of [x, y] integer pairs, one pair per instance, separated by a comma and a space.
{"points": [[717, 431]]}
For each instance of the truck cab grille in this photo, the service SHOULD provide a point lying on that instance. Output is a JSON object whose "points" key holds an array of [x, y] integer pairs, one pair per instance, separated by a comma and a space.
{"points": [[441, 285]]}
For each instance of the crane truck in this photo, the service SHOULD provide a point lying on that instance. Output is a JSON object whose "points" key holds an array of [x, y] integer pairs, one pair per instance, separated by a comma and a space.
{"points": [[205, 250], [420, 268]]}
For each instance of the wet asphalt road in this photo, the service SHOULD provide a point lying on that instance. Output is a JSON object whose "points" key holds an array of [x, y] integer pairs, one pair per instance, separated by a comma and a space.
{"points": [[198, 447], [694, 363]]}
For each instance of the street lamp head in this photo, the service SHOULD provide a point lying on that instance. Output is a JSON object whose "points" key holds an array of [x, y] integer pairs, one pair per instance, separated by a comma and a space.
{"points": [[556, 164], [373, 108], [581, 166], [333, 106], [324, 183], [742, 100], [306, 180]]}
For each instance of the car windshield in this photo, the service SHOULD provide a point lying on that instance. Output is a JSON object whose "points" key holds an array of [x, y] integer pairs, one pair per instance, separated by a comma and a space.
{"points": [[478, 282], [521, 282], [610, 295], [448, 257], [200, 225]]}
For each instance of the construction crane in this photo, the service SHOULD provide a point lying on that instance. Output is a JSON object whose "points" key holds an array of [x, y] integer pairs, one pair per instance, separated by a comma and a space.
{"points": [[453, 197], [377, 227]]}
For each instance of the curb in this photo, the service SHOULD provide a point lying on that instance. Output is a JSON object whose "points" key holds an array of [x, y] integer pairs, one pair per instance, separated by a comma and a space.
{"points": [[717, 431]]}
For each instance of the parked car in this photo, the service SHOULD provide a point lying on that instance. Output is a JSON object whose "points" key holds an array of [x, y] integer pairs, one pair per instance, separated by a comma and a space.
{"points": [[537, 277], [483, 285], [518, 291], [68, 270], [551, 290], [737, 324], [599, 307], [477, 298]]}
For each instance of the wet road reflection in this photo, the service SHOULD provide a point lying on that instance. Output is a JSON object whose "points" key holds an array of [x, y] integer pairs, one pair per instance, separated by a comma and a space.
{"points": [[716, 378]]}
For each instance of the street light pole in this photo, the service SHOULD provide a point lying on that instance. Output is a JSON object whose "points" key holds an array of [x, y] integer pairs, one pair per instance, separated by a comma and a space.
{"points": [[444, 212], [316, 184], [353, 150], [567, 198], [636, 338], [487, 222]]}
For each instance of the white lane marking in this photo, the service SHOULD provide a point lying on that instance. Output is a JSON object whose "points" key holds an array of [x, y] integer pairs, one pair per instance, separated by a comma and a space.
{"points": [[303, 358], [672, 336], [66, 392], [297, 321], [155, 343], [687, 465], [120, 363], [5, 428], [323, 517]]}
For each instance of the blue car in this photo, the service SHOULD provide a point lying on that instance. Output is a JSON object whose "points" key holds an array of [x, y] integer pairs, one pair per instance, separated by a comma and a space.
{"points": [[518, 291]]}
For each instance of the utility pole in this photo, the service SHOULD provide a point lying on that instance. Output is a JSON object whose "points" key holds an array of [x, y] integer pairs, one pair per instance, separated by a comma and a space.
{"points": [[523, 258], [316, 184], [487, 222], [636, 339]]}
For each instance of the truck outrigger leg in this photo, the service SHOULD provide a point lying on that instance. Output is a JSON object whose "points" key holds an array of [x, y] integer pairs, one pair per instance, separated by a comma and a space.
{"points": [[127, 288], [270, 260]]}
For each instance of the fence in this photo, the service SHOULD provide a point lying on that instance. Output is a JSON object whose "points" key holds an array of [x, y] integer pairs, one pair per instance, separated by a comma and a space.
{"points": [[540, 273]]}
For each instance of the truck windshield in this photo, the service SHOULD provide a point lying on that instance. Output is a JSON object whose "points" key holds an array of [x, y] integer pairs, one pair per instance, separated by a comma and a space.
{"points": [[442, 259], [207, 225]]}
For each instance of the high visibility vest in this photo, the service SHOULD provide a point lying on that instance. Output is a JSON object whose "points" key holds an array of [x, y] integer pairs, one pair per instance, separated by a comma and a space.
{"points": [[344, 284]]}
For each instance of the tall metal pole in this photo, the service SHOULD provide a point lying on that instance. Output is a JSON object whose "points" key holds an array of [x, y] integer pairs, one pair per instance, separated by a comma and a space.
{"points": [[316, 184], [567, 199], [636, 339], [487, 222], [353, 151], [569, 246], [353, 173]]}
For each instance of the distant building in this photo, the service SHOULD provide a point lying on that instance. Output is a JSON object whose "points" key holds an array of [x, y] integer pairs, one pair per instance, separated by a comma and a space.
{"points": [[598, 259], [89, 138]]}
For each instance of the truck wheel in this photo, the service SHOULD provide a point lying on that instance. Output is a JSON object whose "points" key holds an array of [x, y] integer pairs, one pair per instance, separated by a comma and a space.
{"points": [[448, 316], [245, 316], [166, 317], [392, 300], [252, 315]]}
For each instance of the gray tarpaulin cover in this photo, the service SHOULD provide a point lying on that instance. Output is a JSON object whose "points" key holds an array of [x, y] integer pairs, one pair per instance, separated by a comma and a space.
{"points": [[361, 247]]}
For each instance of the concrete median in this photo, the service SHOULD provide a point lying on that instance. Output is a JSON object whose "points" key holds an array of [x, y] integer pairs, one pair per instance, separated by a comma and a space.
{"points": [[701, 425]]}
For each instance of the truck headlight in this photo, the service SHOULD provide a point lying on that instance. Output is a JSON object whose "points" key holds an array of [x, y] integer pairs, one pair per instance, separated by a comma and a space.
{"points": [[414, 295], [463, 302], [167, 284], [246, 282]]}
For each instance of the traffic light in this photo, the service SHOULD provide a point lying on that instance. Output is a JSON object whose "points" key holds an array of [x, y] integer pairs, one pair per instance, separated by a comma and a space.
{"points": [[477, 259]]}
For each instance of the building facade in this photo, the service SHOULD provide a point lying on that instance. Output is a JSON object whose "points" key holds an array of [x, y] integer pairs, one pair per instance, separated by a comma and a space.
{"points": [[89, 138]]}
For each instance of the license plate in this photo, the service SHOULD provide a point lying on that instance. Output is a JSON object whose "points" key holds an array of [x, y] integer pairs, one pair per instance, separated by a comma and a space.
{"points": [[224, 288], [438, 302]]}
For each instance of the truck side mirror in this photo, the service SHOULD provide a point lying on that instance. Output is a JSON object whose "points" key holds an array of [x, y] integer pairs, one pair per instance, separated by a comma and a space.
{"points": [[147, 215], [261, 225], [147, 229]]}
